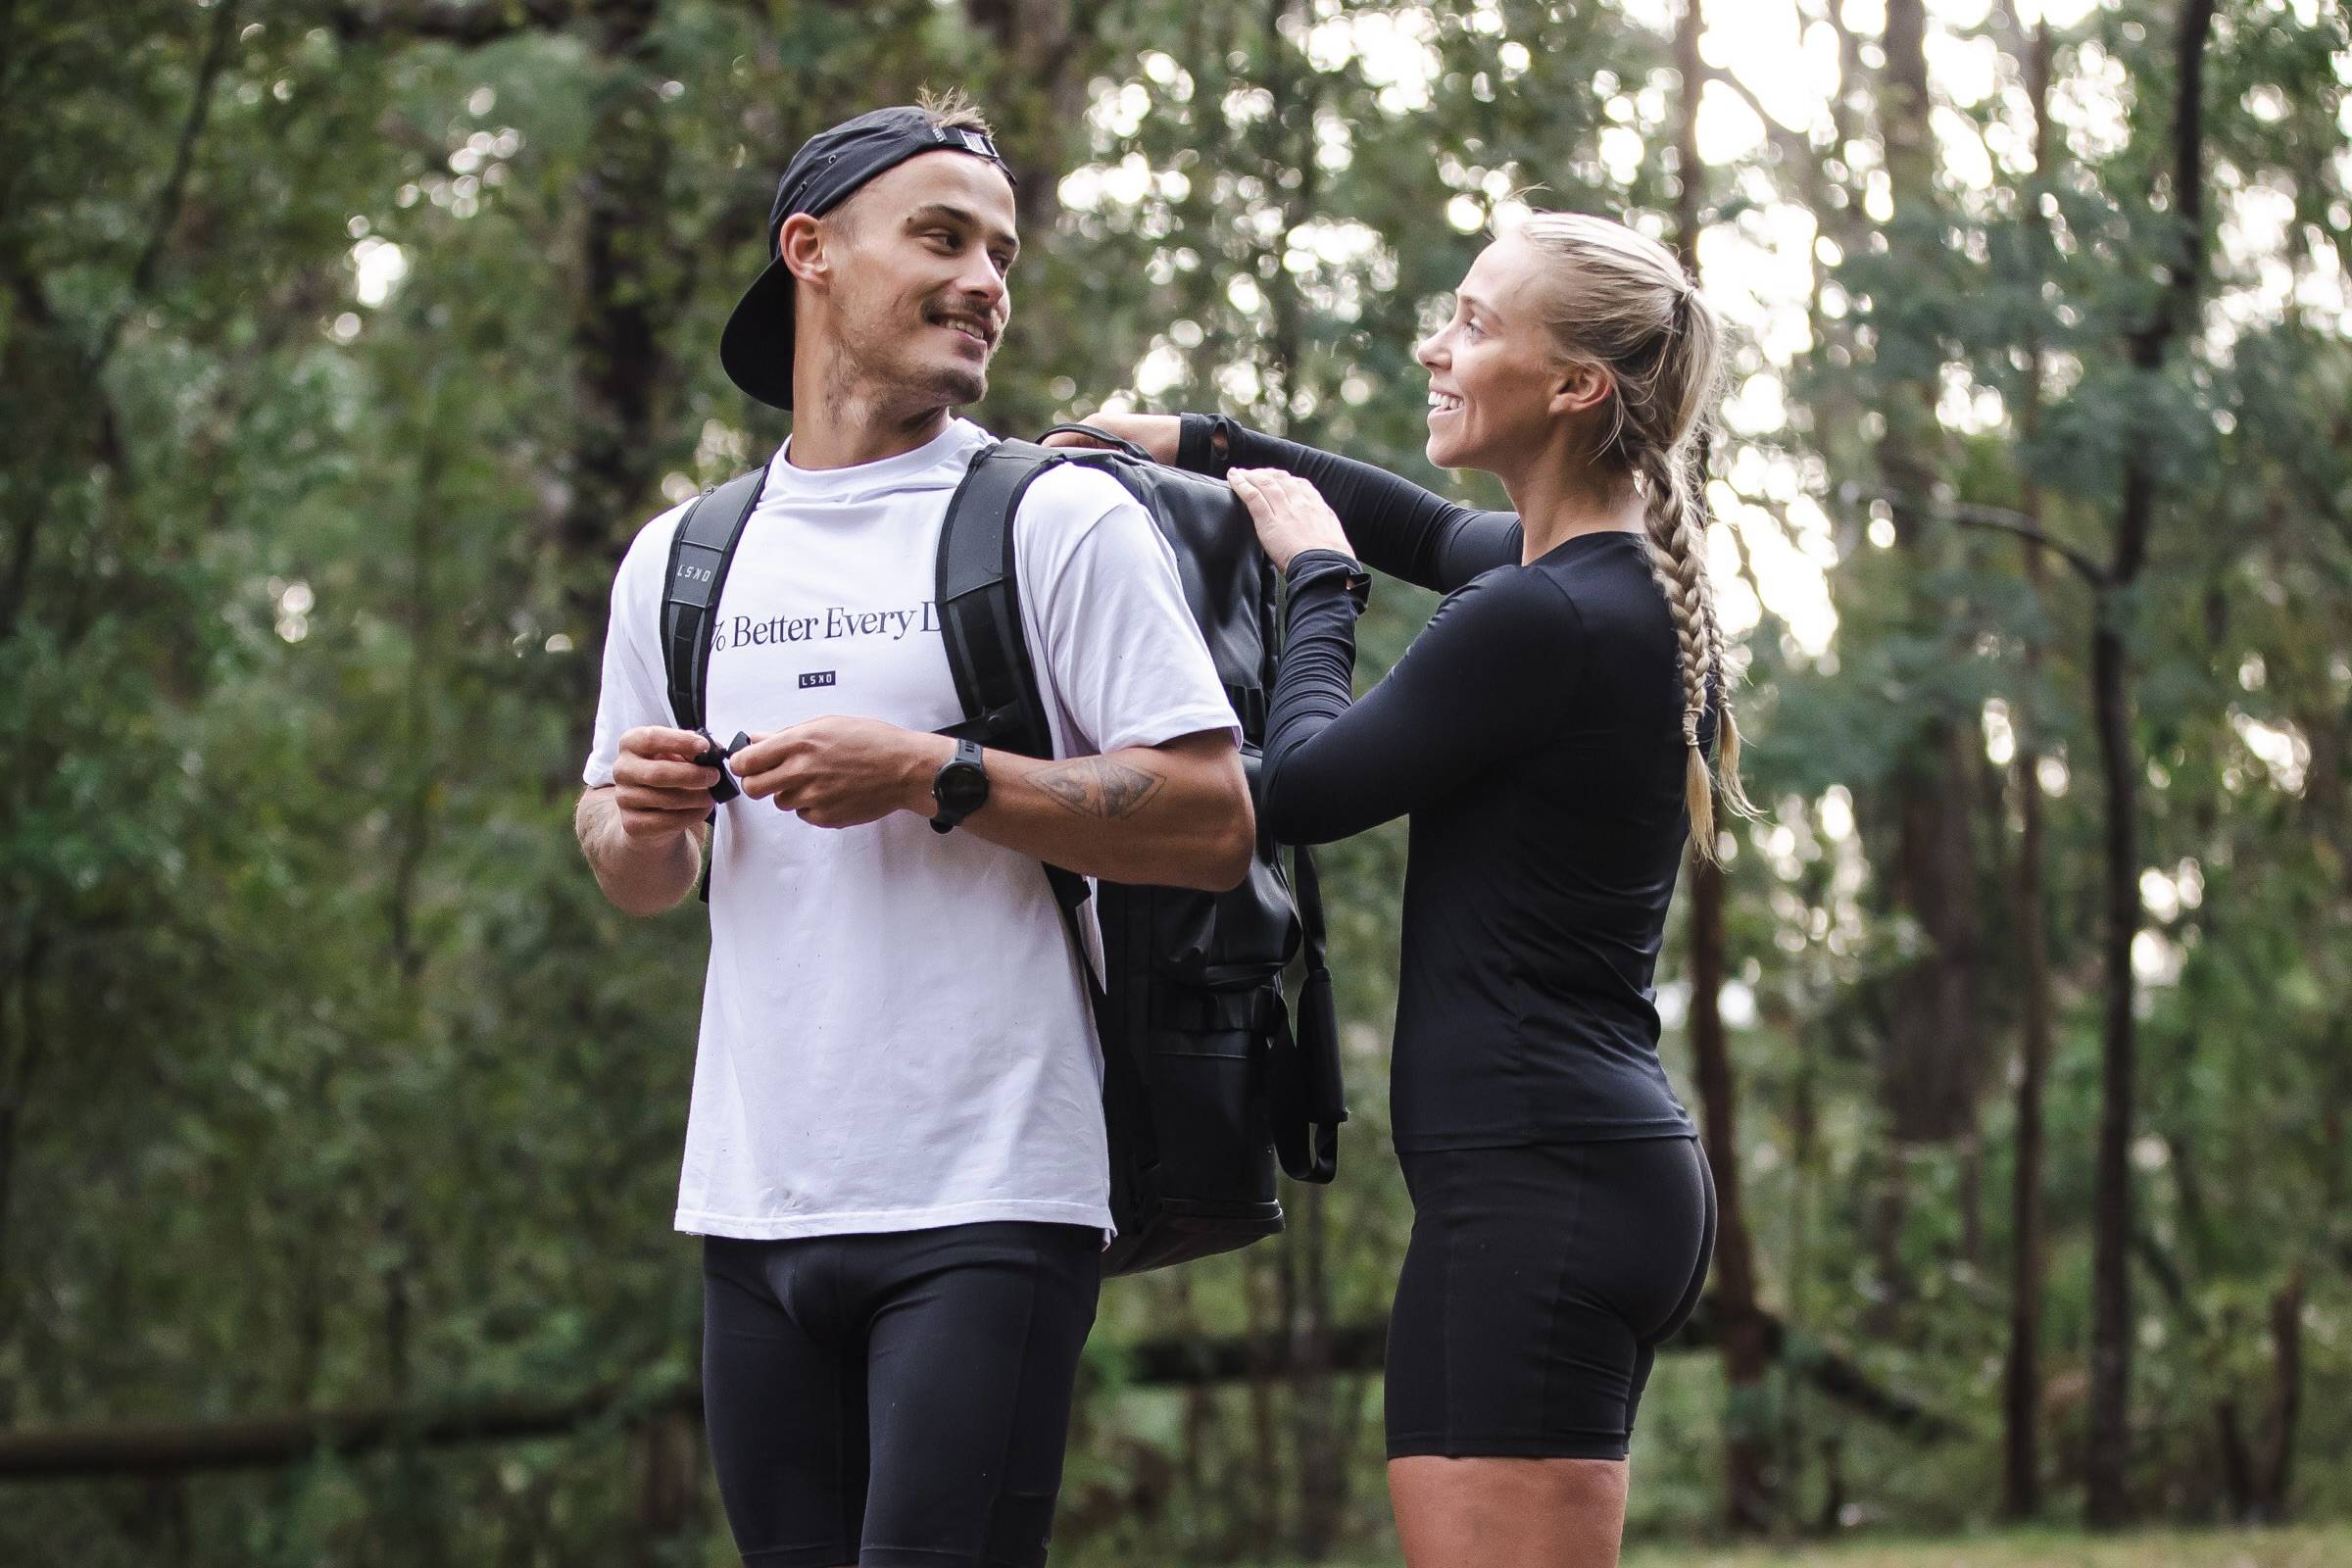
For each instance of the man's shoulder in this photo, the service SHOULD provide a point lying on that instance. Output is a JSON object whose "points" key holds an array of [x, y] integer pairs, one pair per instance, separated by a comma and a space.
{"points": [[652, 541], [1074, 496], [639, 580]]}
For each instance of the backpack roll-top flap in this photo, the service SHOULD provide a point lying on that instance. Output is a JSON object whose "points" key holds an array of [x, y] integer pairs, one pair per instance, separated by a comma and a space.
{"points": [[1229, 585]]}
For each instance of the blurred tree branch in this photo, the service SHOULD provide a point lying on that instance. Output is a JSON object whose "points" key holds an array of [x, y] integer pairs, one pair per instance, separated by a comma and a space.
{"points": [[448, 21], [175, 184]]}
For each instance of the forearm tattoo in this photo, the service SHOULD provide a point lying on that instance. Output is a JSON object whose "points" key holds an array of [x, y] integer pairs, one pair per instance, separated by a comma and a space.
{"points": [[1094, 786]]}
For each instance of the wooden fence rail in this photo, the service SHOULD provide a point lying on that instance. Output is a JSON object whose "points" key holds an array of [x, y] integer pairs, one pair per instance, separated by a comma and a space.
{"points": [[178, 1447]]}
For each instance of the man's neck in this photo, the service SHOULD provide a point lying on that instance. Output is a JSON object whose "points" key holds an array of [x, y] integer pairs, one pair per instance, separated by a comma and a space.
{"points": [[839, 421]]}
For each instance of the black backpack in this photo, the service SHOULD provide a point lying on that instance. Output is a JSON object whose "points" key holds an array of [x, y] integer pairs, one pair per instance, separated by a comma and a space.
{"points": [[1205, 1085]]}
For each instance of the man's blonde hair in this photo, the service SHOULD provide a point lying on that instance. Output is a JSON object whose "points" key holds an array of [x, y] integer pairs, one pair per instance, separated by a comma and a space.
{"points": [[951, 109]]}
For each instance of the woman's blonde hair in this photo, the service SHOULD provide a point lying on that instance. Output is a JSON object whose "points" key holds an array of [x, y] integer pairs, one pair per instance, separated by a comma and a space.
{"points": [[1619, 300]]}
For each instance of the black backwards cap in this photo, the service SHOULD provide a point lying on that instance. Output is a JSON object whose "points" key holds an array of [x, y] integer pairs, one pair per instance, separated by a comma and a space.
{"points": [[830, 167]]}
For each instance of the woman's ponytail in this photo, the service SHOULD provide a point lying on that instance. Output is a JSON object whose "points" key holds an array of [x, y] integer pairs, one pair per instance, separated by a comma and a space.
{"points": [[1627, 308]]}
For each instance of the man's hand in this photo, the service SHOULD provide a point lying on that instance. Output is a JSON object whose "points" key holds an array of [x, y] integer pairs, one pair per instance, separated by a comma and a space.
{"points": [[655, 782], [1155, 433], [844, 772]]}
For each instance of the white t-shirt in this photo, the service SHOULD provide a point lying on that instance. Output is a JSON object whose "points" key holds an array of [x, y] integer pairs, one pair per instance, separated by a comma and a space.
{"points": [[894, 1032]]}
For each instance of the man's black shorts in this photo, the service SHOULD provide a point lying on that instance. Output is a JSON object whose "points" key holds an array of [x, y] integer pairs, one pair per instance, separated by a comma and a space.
{"points": [[895, 1400]]}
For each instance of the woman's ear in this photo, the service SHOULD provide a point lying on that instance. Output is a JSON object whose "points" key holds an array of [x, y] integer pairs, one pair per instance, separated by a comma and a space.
{"points": [[1582, 387]]}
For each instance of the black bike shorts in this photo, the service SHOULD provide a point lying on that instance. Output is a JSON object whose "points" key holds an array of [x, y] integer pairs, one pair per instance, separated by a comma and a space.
{"points": [[1536, 1289], [895, 1400]]}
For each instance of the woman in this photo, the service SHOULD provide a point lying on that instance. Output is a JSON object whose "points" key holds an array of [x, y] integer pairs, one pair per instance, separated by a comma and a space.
{"points": [[1547, 734]]}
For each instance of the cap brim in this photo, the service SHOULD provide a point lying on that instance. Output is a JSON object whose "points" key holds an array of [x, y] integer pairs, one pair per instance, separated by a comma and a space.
{"points": [[755, 349]]}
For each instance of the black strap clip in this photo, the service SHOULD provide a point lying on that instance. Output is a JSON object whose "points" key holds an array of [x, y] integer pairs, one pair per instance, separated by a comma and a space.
{"points": [[715, 756]]}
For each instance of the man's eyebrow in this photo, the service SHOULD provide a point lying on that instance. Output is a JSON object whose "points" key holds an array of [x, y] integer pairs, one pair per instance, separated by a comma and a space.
{"points": [[963, 217]]}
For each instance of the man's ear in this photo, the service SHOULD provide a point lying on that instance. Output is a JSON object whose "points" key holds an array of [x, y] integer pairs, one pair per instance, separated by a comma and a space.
{"points": [[1581, 386], [806, 246]]}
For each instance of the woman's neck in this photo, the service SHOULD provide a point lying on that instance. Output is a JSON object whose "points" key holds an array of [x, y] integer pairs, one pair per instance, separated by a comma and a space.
{"points": [[1560, 499]]}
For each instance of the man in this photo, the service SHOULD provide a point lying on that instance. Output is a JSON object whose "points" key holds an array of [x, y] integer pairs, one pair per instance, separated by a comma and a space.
{"points": [[895, 1147]]}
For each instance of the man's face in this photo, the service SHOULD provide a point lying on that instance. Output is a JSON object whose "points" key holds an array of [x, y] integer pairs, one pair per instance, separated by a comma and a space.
{"points": [[918, 294]]}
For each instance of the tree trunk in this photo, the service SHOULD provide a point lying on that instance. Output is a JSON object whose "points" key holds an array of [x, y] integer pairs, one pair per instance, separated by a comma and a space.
{"points": [[2276, 1478], [667, 1449], [2107, 1503], [1931, 1069], [1747, 1471], [2021, 1378], [22, 1045], [1315, 1427], [1749, 1500], [625, 305]]}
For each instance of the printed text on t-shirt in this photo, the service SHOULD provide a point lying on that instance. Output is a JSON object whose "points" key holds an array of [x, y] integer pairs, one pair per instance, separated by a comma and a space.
{"points": [[838, 621]]}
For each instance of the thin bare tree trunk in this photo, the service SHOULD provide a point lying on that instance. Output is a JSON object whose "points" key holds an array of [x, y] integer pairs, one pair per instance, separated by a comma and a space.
{"points": [[1749, 1500], [2107, 1500], [1315, 1428], [2021, 1377], [1932, 1068], [2276, 1478], [627, 300]]}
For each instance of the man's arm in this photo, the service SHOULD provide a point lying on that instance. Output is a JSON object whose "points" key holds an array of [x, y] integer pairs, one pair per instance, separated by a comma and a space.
{"points": [[1176, 815], [643, 833]]}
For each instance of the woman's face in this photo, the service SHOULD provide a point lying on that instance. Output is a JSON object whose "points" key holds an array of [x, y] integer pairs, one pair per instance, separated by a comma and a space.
{"points": [[1495, 369]]}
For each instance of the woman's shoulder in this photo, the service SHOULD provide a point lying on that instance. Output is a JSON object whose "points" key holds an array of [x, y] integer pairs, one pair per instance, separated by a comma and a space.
{"points": [[1609, 578], [1522, 603]]}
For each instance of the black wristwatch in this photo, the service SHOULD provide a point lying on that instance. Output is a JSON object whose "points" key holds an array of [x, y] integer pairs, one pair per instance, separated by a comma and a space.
{"points": [[960, 787]]}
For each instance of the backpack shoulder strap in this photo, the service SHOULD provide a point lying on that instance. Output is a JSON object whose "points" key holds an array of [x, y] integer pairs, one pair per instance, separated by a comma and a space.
{"points": [[980, 619], [980, 601], [1309, 1098], [995, 681], [700, 554]]}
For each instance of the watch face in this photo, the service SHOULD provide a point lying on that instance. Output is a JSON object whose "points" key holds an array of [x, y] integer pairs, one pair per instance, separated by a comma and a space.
{"points": [[963, 787]]}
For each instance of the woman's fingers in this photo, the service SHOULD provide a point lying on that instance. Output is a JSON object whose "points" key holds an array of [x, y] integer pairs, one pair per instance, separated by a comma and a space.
{"points": [[1289, 514]]}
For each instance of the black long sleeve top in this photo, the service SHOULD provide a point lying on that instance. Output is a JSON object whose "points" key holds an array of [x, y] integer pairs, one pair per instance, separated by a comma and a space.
{"points": [[1533, 733]]}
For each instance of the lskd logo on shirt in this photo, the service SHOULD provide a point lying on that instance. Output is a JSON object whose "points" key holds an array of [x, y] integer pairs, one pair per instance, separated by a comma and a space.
{"points": [[838, 621]]}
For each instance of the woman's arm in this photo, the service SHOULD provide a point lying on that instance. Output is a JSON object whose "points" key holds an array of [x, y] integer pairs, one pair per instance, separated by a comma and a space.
{"points": [[1485, 681], [1396, 526], [1401, 529]]}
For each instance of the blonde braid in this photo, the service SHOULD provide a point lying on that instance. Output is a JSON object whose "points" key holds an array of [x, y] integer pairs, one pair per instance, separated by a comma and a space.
{"points": [[1677, 559]]}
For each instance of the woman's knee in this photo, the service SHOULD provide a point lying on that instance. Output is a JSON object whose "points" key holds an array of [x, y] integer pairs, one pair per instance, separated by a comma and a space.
{"points": [[1507, 1513]]}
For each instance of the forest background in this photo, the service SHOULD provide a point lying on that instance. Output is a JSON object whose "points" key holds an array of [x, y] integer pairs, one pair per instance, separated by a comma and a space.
{"points": [[345, 343]]}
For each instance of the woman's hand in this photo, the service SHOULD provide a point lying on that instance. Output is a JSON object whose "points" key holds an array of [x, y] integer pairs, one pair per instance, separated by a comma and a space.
{"points": [[1155, 433], [1290, 516]]}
